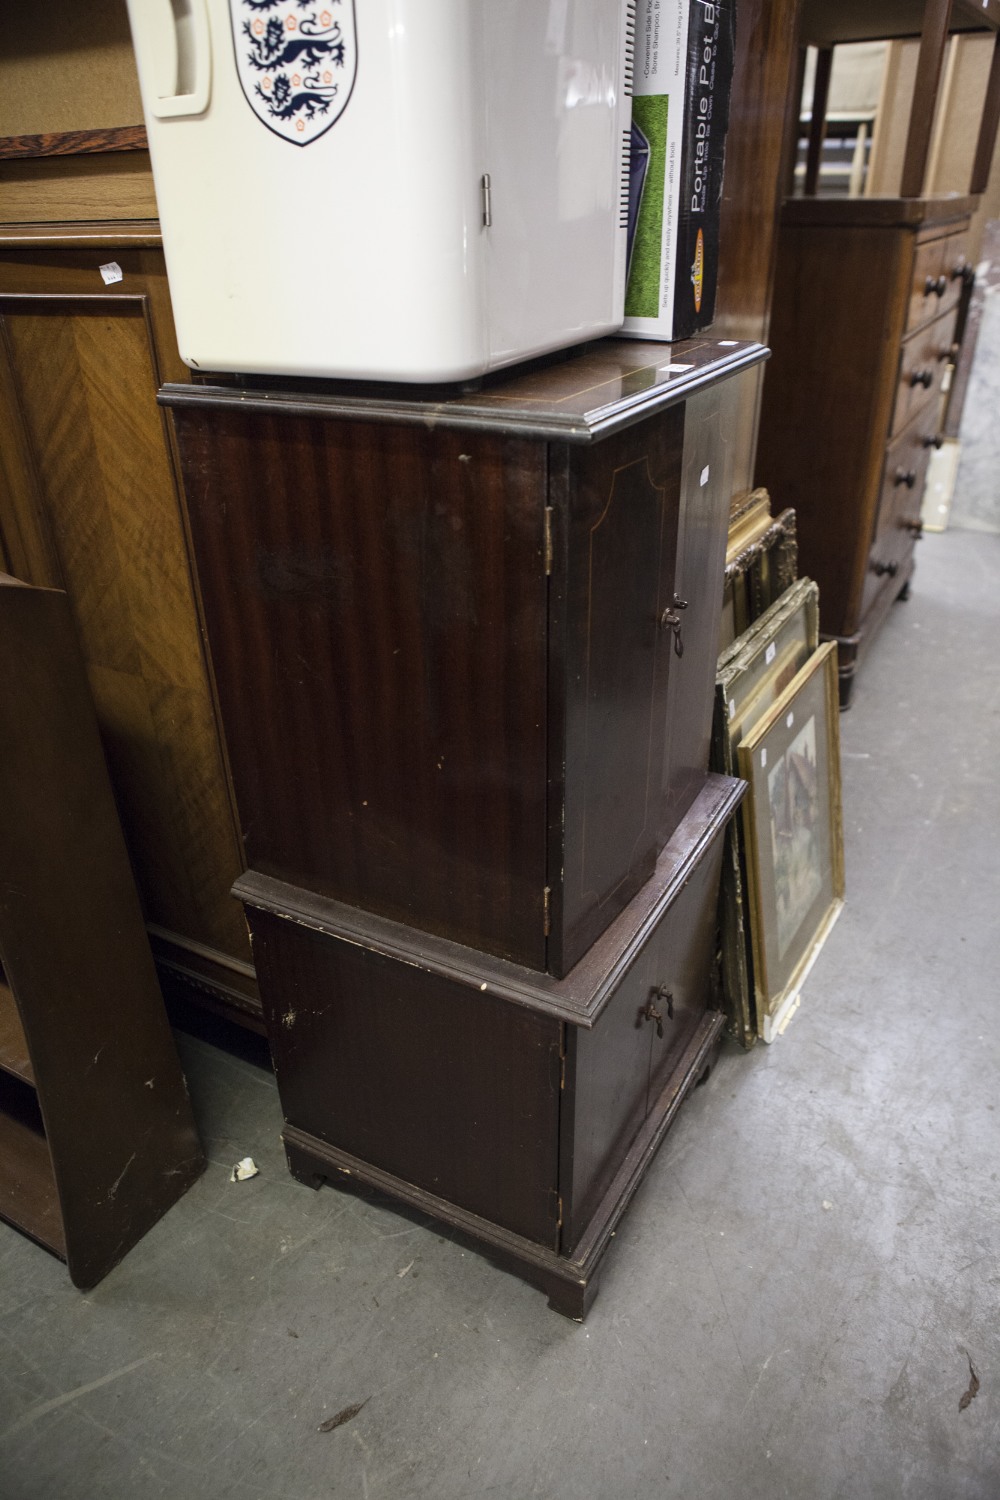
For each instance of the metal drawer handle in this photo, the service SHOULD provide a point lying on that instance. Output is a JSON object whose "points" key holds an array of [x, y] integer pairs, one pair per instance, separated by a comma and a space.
{"points": [[885, 570], [922, 377], [907, 477]]}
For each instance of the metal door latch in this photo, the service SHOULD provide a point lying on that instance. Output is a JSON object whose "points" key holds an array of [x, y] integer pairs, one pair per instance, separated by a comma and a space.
{"points": [[651, 1013], [671, 620]]}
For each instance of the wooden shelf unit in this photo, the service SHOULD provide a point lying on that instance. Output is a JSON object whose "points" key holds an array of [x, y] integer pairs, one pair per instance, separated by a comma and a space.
{"points": [[97, 1139]]}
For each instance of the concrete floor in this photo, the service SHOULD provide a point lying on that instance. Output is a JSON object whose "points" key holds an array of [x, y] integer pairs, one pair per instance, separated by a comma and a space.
{"points": [[790, 1305]]}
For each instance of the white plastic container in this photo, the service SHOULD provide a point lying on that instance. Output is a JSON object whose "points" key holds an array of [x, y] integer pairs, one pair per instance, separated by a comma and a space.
{"points": [[416, 190]]}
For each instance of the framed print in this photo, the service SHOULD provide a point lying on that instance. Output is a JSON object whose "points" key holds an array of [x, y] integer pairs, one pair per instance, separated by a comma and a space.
{"points": [[756, 669], [752, 674], [793, 835]]}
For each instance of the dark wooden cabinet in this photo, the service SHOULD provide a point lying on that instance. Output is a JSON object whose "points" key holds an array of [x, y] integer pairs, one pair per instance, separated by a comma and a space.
{"points": [[520, 1108], [460, 685], [464, 648], [863, 329]]}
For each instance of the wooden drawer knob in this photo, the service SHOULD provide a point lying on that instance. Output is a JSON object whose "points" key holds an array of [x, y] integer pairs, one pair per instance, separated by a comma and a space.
{"points": [[885, 570], [907, 477], [922, 377]]}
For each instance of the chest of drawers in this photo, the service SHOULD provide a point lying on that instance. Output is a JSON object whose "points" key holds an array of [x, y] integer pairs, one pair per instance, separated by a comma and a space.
{"points": [[464, 650], [865, 309]]}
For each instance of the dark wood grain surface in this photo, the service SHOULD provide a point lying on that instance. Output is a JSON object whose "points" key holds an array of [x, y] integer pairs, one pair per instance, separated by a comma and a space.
{"points": [[579, 998], [376, 608], [448, 1088], [74, 952], [75, 142], [913, 213], [615, 1073], [829, 398], [618, 507], [580, 396]]}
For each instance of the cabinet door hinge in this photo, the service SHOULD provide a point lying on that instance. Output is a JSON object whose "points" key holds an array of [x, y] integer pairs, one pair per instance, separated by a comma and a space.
{"points": [[547, 911], [548, 540], [556, 1207]]}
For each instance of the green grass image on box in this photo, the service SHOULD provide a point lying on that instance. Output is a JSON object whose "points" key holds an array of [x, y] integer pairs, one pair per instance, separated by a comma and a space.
{"points": [[642, 296]]}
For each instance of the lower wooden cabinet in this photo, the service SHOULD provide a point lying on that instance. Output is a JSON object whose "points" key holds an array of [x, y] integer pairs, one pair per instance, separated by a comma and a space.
{"points": [[517, 1107]]}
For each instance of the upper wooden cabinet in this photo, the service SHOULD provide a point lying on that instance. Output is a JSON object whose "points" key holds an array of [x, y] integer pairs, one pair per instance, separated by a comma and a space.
{"points": [[864, 329], [89, 503], [516, 678]]}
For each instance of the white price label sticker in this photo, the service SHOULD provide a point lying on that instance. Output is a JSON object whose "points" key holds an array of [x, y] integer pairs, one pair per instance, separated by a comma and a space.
{"points": [[112, 272], [704, 475], [770, 654], [789, 721], [763, 759], [674, 369], [732, 708]]}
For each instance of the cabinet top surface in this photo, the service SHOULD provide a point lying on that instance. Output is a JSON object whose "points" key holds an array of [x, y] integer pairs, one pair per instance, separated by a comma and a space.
{"points": [[577, 397], [875, 213], [826, 22]]}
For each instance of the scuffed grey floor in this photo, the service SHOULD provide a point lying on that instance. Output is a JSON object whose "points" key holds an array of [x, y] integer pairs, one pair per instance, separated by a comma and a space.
{"points": [[791, 1303]]}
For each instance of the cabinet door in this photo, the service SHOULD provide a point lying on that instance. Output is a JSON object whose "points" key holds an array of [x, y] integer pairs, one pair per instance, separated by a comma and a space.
{"points": [[375, 597], [616, 1072], [611, 644], [445, 1087], [710, 425]]}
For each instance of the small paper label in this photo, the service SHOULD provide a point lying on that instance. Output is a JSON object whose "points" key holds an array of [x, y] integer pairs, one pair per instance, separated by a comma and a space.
{"points": [[674, 369], [770, 654], [112, 272], [763, 759], [704, 475], [732, 708], [789, 721], [731, 343]]}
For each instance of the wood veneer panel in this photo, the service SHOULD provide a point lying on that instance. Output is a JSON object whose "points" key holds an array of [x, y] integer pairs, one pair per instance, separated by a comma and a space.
{"points": [[14, 1057], [376, 602], [453, 1092], [85, 379], [118, 185]]}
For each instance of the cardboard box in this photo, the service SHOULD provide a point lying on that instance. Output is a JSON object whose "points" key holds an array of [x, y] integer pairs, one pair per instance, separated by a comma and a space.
{"points": [[680, 114]]}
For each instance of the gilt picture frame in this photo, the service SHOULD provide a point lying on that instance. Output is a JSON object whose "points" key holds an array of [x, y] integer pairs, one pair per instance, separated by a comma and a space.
{"points": [[752, 673], [793, 832]]}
